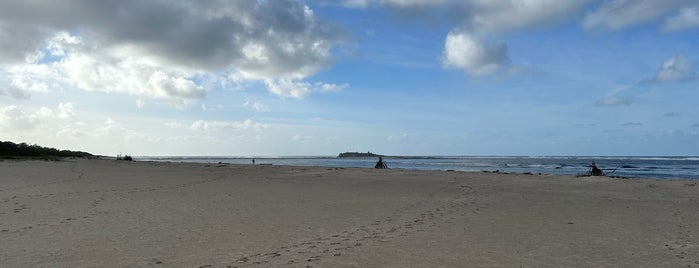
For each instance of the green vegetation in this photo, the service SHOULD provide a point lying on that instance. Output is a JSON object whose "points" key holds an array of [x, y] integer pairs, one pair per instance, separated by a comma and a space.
{"points": [[11, 150]]}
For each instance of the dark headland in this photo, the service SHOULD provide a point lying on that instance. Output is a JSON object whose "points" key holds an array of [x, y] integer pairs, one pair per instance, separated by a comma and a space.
{"points": [[357, 154]]}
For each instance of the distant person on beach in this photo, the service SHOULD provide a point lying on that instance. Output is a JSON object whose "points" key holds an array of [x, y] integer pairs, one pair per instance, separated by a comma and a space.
{"points": [[253, 161], [380, 164]]}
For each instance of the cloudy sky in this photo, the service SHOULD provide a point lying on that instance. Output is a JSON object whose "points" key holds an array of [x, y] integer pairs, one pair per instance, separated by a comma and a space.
{"points": [[318, 77]]}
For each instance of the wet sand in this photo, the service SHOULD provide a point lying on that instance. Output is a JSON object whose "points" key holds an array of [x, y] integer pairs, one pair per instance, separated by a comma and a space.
{"points": [[103, 213]]}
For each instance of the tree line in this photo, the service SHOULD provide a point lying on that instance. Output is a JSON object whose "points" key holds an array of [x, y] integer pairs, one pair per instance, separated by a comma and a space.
{"points": [[10, 149]]}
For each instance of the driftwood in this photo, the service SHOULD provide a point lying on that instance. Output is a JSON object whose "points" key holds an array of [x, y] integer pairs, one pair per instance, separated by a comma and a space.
{"points": [[594, 171], [380, 164], [125, 157]]}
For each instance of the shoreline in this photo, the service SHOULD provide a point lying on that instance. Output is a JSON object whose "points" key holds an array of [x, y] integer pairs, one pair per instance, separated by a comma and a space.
{"points": [[662, 168], [121, 213]]}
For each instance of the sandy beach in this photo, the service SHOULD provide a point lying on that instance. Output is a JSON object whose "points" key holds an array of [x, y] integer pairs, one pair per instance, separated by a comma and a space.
{"points": [[103, 213]]}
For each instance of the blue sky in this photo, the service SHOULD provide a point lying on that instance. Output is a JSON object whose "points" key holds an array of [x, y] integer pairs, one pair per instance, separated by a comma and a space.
{"points": [[399, 77]]}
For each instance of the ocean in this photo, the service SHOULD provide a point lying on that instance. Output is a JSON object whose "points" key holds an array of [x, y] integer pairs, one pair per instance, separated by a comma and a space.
{"points": [[661, 167]]}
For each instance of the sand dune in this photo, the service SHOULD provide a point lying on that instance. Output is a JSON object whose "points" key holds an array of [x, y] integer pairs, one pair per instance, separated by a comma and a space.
{"points": [[87, 213]]}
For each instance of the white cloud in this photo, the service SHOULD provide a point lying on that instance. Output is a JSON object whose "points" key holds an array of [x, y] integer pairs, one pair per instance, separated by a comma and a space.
{"points": [[613, 101], [28, 78], [65, 110], [108, 70], [205, 107], [288, 88], [257, 106], [17, 92], [291, 88], [155, 49], [113, 128], [130, 75], [12, 118], [204, 125], [465, 52], [398, 3], [675, 69], [503, 15], [301, 138], [197, 34], [686, 19], [17, 119], [176, 125], [21, 86], [140, 103], [473, 21], [327, 87], [481, 17], [62, 43], [619, 14]]}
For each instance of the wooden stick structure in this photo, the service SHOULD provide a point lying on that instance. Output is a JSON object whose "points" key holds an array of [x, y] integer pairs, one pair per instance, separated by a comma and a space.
{"points": [[380, 164]]}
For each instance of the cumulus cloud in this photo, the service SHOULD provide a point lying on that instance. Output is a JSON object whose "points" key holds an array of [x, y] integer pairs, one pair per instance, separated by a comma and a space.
{"points": [[675, 69], [12, 118], [288, 88], [463, 51], [613, 101], [106, 72], [156, 48], [619, 14], [474, 21], [202, 34], [17, 119], [26, 79]]}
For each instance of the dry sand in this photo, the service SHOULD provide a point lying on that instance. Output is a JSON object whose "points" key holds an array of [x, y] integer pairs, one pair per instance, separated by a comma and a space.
{"points": [[101, 213]]}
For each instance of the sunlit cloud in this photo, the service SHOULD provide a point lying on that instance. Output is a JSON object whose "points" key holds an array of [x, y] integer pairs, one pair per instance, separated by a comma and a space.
{"points": [[675, 69]]}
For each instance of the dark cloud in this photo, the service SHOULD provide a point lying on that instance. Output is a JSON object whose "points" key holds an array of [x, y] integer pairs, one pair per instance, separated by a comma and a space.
{"points": [[631, 124], [266, 38]]}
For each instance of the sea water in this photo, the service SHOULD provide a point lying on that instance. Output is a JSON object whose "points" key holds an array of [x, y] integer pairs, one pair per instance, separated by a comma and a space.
{"points": [[623, 166]]}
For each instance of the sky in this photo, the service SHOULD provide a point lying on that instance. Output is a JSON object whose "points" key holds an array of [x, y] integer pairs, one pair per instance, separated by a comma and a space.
{"points": [[320, 77]]}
